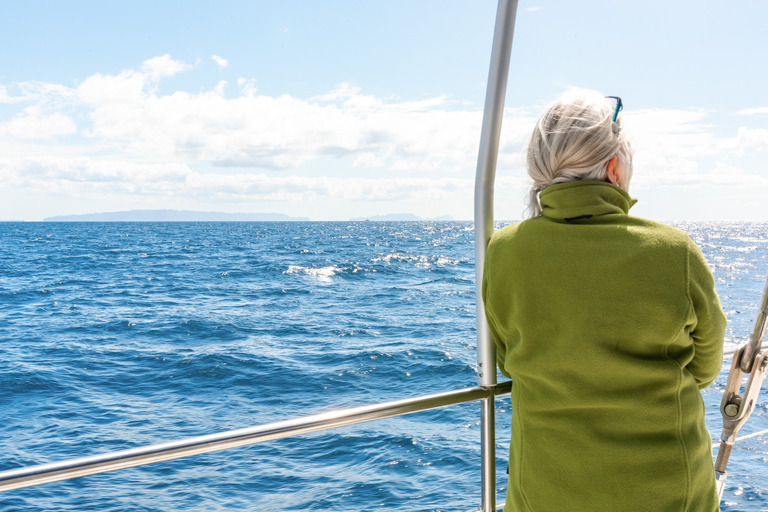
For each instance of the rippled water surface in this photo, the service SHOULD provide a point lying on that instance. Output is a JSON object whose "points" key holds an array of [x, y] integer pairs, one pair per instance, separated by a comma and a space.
{"points": [[118, 335]]}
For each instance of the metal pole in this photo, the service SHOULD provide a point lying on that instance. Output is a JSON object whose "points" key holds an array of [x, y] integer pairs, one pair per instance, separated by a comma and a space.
{"points": [[488, 462], [486, 173], [484, 178], [75, 468], [758, 333]]}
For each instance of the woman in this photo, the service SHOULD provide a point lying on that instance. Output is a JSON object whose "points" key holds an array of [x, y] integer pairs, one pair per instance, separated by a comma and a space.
{"points": [[608, 324]]}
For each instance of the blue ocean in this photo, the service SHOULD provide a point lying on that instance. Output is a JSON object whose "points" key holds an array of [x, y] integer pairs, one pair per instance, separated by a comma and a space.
{"points": [[117, 335]]}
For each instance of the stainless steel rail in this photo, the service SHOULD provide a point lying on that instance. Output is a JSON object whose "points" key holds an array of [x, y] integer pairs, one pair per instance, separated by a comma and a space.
{"points": [[484, 178], [758, 333], [75, 468], [486, 174]]}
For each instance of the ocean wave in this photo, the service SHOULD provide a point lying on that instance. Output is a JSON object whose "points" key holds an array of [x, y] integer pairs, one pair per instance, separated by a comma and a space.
{"points": [[324, 274], [418, 259]]}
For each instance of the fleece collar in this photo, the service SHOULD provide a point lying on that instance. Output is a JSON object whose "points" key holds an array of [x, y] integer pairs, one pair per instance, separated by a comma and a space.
{"points": [[582, 200]]}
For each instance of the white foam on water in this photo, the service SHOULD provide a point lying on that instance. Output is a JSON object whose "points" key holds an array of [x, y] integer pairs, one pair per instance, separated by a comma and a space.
{"points": [[320, 273]]}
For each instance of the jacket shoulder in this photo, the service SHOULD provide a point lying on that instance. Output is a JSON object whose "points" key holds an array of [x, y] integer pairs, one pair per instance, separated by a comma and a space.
{"points": [[660, 234], [508, 233]]}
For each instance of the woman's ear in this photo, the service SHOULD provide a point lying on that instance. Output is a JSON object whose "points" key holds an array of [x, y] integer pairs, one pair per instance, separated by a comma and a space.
{"points": [[614, 173]]}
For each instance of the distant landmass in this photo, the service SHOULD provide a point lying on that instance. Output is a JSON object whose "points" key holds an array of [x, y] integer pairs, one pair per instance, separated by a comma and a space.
{"points": [[399, 217], [173, 216]]}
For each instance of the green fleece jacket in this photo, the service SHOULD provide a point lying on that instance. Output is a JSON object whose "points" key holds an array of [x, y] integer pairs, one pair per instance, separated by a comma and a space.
{"points": [[609, 325]]}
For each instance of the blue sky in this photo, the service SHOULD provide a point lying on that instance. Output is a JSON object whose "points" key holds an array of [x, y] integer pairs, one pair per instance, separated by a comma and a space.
{"points": [[343, 109]]}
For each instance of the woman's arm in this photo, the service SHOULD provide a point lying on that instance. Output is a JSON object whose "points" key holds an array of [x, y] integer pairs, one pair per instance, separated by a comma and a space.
{"points": [[490, 317], [710, 324]]}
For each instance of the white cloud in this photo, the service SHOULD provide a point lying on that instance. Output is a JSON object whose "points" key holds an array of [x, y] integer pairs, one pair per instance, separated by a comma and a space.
{"points": [[681, 148], [127, 113], [753, 111], [672, 132], [654, 169], [91, 178], [277, 133], [750, 138], [341, 92], [83, 175], [685, 133], [163, 66], [367, 160], [722, 175], [33, 124], [219, 89], [247, 87], [35, 91], [108, 91], [154, 141], [221, 61]]}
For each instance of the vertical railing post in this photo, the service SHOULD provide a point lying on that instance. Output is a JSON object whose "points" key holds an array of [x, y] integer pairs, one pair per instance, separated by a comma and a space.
{"points": [[486, 173], [488, 449]]}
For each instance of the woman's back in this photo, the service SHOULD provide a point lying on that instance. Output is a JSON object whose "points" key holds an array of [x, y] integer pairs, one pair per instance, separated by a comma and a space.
{"points": [[609, 326]]}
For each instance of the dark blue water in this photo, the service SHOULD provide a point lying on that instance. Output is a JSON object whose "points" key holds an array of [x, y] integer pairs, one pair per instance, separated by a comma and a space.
{"points": [[118, 335]]}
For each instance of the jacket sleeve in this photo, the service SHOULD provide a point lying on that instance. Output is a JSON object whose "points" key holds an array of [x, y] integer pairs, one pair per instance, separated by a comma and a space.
{"points": [[709, 328], [501, 352]]}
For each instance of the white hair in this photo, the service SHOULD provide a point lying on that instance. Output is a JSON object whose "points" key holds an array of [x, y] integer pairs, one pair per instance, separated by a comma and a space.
{"points": [[573, 140]]}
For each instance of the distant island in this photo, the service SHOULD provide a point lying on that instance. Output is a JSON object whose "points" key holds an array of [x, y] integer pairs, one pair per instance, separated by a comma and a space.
{"points": [[398, 217], [174, 216]]}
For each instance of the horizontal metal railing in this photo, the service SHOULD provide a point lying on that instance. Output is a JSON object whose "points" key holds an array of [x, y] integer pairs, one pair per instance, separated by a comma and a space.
{"points": [[75, 468]]}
